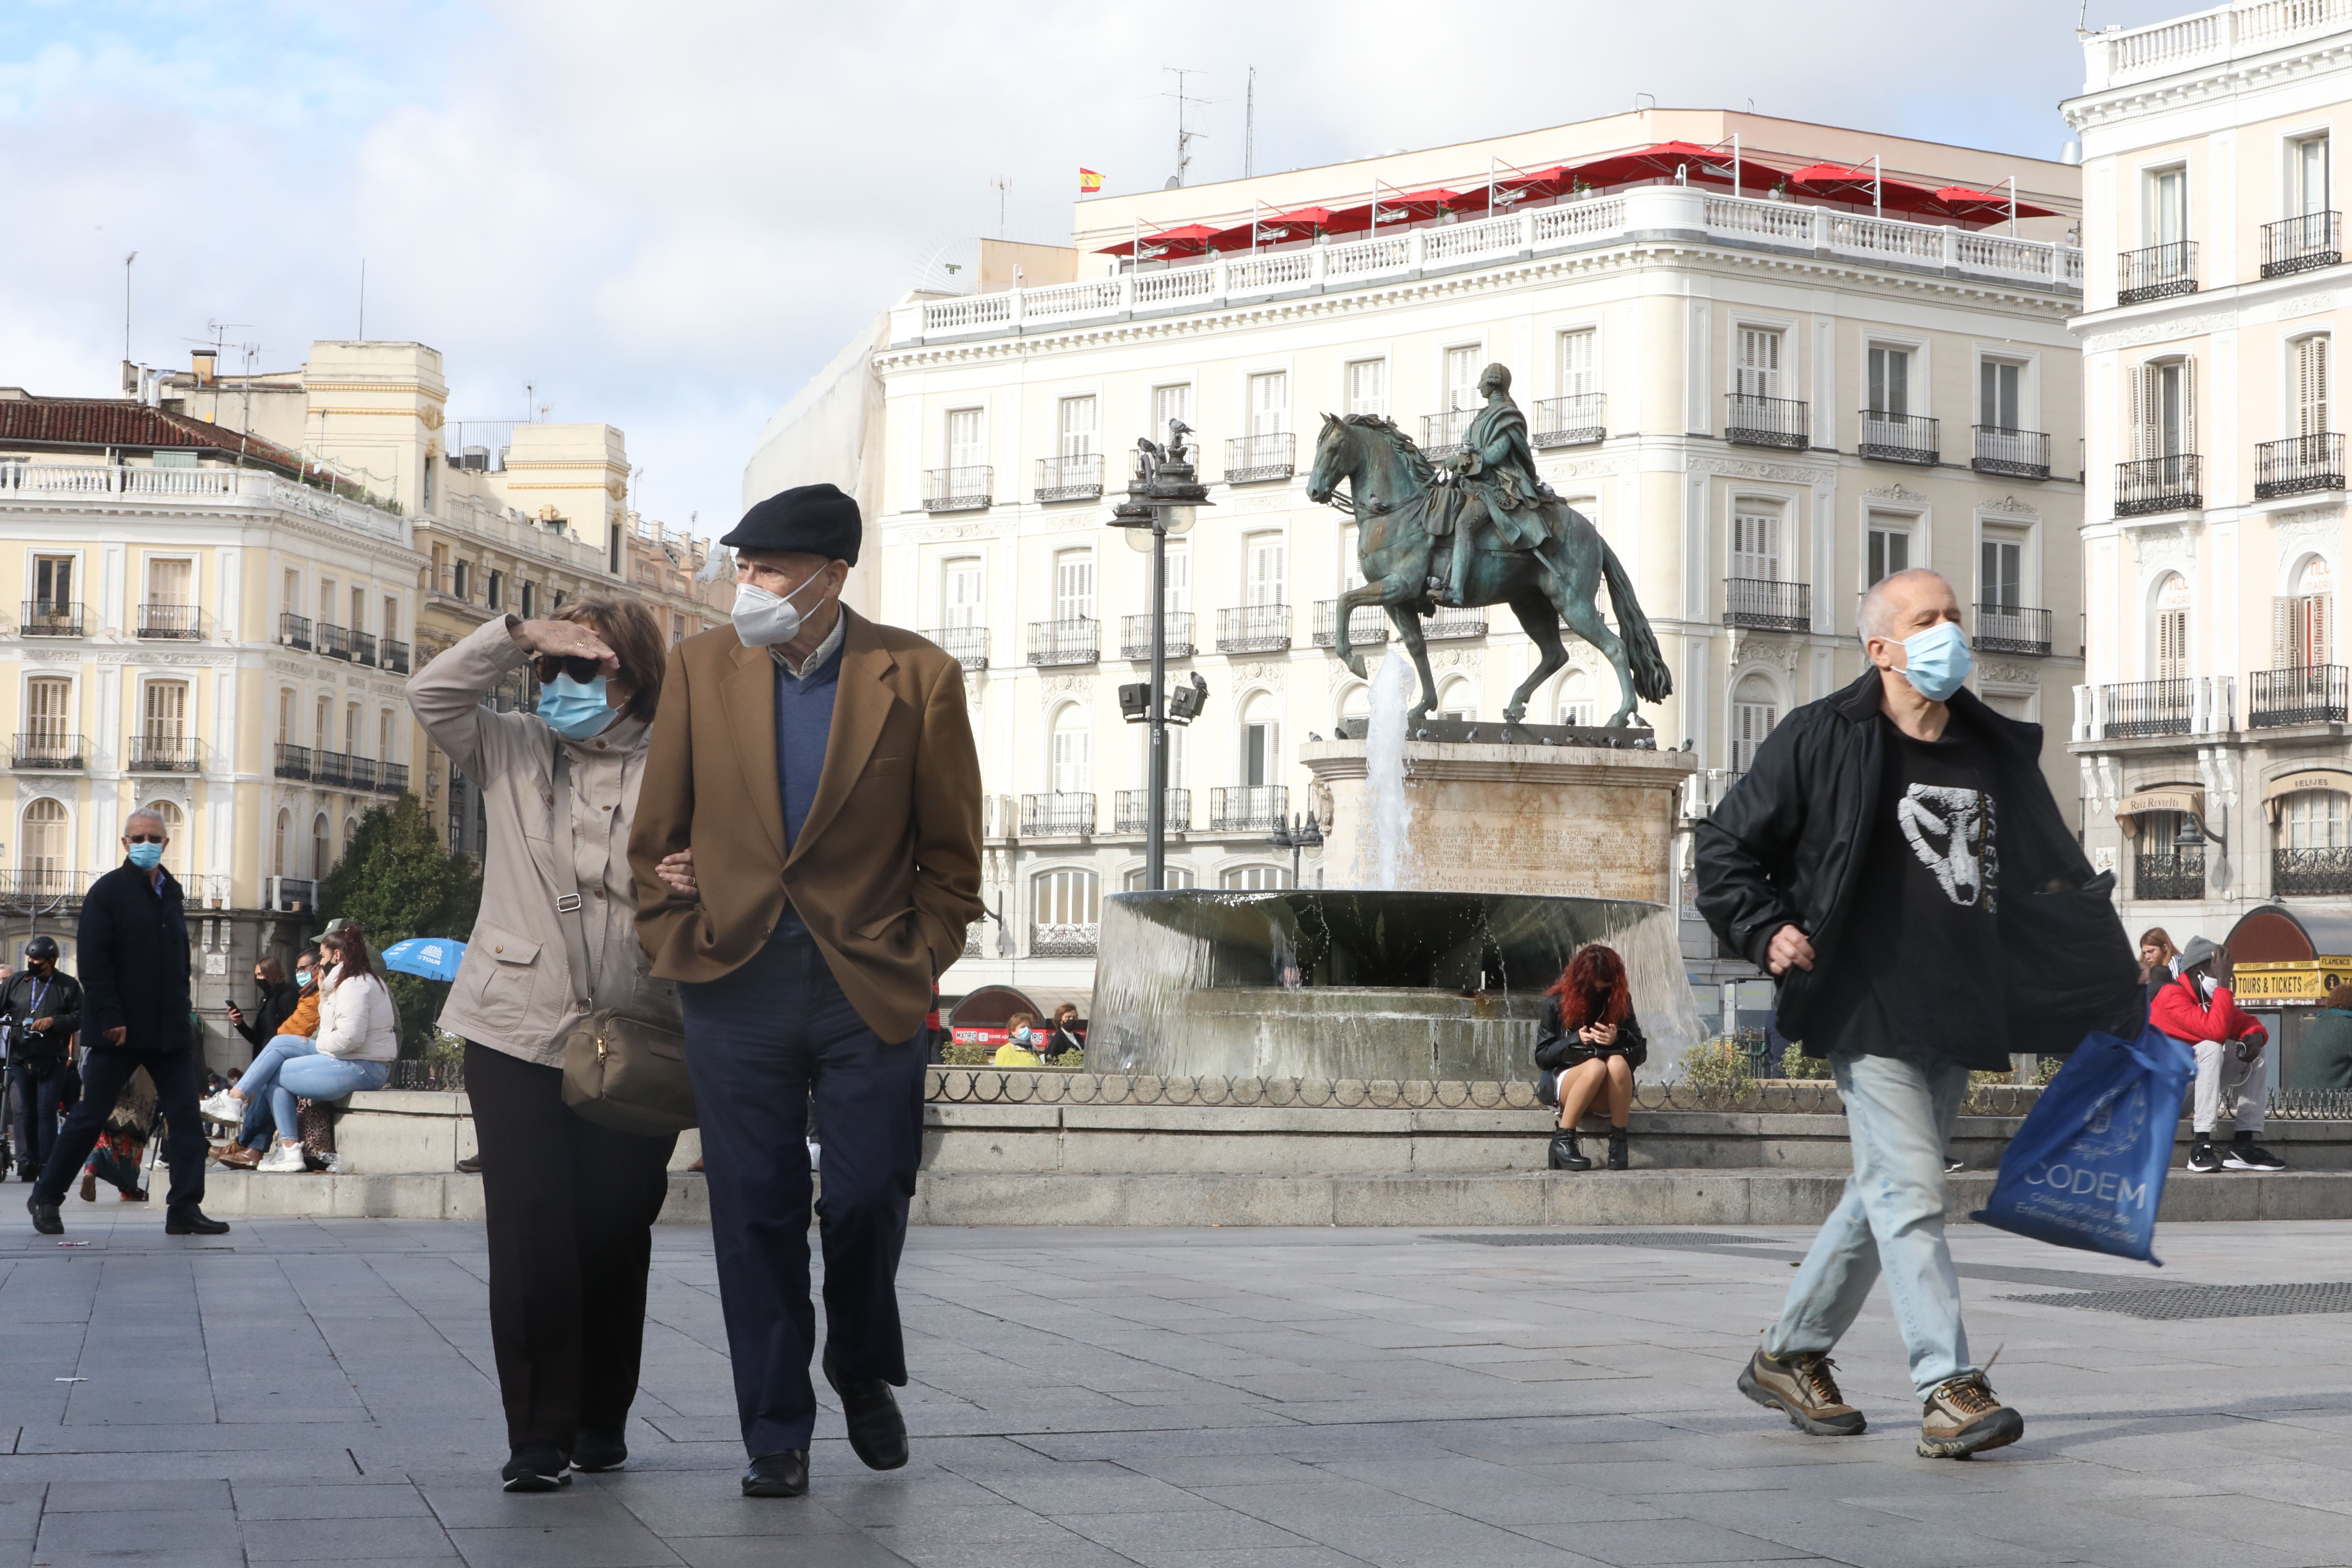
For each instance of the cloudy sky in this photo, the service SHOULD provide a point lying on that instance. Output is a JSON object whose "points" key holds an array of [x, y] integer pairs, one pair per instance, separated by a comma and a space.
{"points": [[667, 216]]}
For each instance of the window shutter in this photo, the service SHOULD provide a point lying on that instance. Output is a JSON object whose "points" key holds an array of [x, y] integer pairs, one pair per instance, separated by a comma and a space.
{"points": [[2143, 406], [2189, 405], [2323, 633], [2282, 634]]}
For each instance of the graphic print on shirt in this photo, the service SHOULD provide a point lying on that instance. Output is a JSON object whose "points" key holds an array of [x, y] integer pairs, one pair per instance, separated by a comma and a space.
{"points": [[1951, 832]]}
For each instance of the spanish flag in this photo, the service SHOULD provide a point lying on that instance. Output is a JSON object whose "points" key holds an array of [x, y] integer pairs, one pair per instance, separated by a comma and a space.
{"points": [[1089, 181]]}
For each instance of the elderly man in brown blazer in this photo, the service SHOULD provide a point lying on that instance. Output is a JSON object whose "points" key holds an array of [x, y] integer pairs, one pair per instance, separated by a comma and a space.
{"points": [[807, 858]]}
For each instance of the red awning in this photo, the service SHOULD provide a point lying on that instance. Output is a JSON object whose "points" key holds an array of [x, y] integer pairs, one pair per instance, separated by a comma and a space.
{"points": [[1186, 240], [1700, 166], [1839, 183], [1303, 223], [1962, 204]]}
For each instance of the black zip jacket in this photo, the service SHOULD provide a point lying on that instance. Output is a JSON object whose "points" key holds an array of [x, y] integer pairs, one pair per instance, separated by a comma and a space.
{"points": [[133, 950], [60, 1003], [1557, 1048], [278, 1003], [1787, 843]]}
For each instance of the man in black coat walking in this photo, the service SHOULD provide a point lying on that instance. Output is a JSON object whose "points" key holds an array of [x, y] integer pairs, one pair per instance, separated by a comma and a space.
{"points": [[41, 1012], [133, 952]]}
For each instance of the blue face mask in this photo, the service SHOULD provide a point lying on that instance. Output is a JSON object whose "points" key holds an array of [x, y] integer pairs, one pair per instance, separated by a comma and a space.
{"points": [[146, 856], [1937, 660], [1022, 1035], [301, 978], [576, 709]]}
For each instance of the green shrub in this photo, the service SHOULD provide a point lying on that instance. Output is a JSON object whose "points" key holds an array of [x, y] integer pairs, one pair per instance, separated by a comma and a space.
{"points": [[1718, 1066], [1794, 1063]]}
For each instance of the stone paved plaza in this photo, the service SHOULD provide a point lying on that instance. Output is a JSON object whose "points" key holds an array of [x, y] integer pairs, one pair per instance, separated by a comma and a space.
{"points": [[319, 1391]]}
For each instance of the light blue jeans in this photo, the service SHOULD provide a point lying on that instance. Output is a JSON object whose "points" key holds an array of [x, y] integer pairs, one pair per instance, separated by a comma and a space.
{"points": [[258, 1083], [318, 1077], [1899, 1118]]}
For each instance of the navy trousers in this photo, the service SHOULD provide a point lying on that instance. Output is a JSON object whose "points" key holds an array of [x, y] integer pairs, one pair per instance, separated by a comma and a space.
{"points": [[758, 1043], [103, 1074]]}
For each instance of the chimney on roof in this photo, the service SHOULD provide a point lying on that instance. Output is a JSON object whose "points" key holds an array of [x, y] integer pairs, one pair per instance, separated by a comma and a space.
{"points": [[201, 361]]}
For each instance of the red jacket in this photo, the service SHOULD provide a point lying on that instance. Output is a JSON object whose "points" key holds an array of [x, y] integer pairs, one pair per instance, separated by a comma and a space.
{"points": [[2179, 1012]]}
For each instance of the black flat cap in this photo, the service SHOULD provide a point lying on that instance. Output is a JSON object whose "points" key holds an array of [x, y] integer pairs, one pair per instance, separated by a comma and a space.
{"points": [[809, 520]]}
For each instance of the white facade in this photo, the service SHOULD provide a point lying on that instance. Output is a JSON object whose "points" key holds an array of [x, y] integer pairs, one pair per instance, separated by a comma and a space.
{"points": [[2210, 727], [1704, 375]]}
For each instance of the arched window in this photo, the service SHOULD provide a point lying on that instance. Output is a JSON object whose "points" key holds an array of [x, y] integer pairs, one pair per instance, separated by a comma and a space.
{"points": [[42, 858], [284, 840], [1355, 704], [322, 851], [1261, 740], [2169, 655], [2316, 819], [350, 831], [1255, 879], [1064, 911], [1455, 700], [1576, 698], [2302, 622], [1755, 709], [1172, 876], [176, 845], [1073, 750]]}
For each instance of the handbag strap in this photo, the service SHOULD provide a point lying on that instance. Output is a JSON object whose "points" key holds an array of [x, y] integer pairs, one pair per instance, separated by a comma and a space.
{"points": [[568, 904]]}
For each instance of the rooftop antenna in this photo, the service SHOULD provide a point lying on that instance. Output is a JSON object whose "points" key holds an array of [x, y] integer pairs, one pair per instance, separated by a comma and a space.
{"points": [[1184, 138], [126, 305], [999, 184], [362, 298], [1249, 124]]}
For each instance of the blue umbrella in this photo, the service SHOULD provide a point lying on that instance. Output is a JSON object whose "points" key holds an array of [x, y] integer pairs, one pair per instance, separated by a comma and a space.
{"points": [[434, 957]]}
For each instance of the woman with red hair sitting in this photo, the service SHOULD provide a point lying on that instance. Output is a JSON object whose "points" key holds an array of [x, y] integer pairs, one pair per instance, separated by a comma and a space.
{"points": [[1589, 1039]]}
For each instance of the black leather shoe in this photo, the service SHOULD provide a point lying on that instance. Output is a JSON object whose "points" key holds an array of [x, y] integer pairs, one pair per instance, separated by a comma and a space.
{"points": [[44, 1218], [778, 1475], [878, 1433], [1565, 1154], [595, 1452], [536, 1467], [195, 1222]]}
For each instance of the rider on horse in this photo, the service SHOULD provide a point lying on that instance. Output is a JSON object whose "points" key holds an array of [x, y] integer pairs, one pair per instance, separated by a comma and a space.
{"points": [[1493, 477]]}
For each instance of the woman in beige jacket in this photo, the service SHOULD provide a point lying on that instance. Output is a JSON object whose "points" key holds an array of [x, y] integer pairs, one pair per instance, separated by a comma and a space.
{"points": [[568, 1205]]}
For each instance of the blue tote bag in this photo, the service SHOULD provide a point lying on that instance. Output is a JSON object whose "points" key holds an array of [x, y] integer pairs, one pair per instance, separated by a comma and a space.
{"points": [[2087, 1170]]}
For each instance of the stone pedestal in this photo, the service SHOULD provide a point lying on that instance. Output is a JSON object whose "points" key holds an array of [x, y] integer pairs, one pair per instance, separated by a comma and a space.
{"points": [[1496, 818]]}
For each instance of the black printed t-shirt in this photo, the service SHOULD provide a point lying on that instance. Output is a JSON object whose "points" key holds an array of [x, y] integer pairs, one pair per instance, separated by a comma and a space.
{"points": [[1917, 974]]}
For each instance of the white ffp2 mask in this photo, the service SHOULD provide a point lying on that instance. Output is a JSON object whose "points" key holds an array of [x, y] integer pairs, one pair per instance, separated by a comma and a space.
{"points": [[762, 618]]}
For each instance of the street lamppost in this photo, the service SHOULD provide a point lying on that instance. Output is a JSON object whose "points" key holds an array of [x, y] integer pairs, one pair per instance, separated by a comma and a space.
{"points": [[1160, 501], [1305, 832]]}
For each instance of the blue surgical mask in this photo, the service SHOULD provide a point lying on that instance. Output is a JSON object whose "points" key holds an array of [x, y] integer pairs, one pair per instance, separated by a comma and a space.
{"points": [[576, 709], [146, 856], [1937, 660], [1022, 1035], [301, 978]]}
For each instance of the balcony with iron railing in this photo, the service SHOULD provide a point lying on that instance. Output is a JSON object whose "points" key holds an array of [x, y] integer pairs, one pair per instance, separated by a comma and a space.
{"points": [[1368, 625], [1899, 439], [968, 646], [294, 631], [1250, 458], [2157, 272], [968, 488], [331, 769], [1254, 628], [1061, 814], [292, 762], [1249, 808], [2179, 875], [1752, 421], [362, 647], [2299, 465], [1451, 624], [1577, 420], [1070, 940], [391, 778], [50, 618], [165, 753], [1130, 810], [2322, 873], [395, 656], [1065, 642], [1135, 636], [293, 895], [43, 890], [1440, 434], [2305, 694], [359, 772], [2140, 708], [171, 623], [2013, 629], [1764, 604], [2150, 485], [1079, 477], [334, 641], [2305, 243], [2014, 454], [50, 749]]}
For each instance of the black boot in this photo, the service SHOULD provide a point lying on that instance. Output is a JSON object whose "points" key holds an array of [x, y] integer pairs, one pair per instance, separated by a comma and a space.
{"points": [[1565, 1154], [1617, 1159]]}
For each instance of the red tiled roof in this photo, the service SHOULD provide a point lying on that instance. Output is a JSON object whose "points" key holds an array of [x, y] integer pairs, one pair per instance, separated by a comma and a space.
{"points": [[110, 422]]}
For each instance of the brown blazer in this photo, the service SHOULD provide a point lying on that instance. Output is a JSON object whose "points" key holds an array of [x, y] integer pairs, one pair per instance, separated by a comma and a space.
{"points": [[886, 872]]}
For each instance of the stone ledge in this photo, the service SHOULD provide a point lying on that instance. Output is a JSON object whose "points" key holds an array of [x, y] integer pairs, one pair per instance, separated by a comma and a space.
{"points": [[451, 1195]]}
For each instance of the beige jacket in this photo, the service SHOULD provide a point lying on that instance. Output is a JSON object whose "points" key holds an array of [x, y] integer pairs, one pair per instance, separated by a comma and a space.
{"points": [[514, 990]]}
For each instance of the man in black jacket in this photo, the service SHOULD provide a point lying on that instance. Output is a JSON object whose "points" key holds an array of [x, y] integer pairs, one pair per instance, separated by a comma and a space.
{"points": [[40, 1009], [1895, 859], [133, 950]]}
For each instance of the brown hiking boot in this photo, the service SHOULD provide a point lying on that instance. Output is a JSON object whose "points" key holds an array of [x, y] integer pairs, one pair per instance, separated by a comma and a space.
{"points": [[1963, 1417], [1805, 1387]]}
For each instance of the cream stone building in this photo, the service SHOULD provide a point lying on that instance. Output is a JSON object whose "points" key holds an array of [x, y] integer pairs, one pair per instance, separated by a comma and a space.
{"points": [[2210, 725], [1764, 399]]}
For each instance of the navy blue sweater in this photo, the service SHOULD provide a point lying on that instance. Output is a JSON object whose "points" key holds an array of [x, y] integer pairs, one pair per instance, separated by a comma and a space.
{"points": [[804, 726]]}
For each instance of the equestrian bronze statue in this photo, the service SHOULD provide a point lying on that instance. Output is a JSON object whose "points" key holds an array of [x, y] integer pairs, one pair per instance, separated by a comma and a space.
{"points": [[1484, 530]]}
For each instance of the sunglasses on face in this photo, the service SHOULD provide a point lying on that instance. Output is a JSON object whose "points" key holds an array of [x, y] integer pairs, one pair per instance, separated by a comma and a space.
{"points": [[547, 667], [143, 838]]}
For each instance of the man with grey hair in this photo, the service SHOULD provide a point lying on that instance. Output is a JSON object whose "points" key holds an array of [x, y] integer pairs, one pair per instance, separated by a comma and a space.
{"points": [[133, 950], [1895, 859]]}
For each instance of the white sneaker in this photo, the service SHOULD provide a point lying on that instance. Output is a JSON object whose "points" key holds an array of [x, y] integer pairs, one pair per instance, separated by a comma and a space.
{"points": [[223, 1106], [285, 1157]]}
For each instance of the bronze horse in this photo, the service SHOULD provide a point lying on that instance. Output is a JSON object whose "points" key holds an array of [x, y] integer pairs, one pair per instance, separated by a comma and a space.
{"points": [[1391, 488]]}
